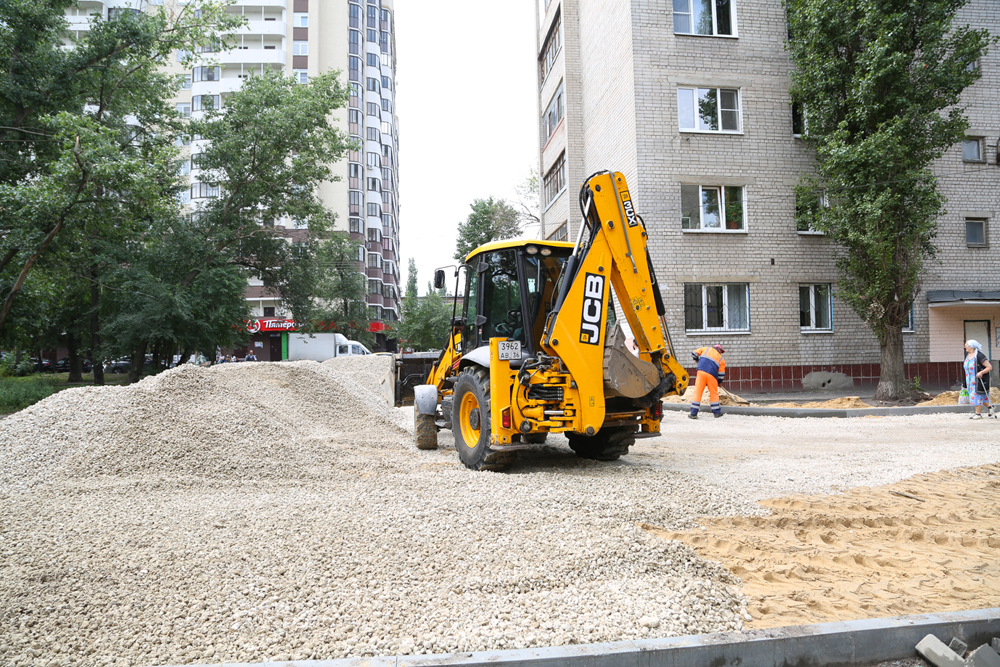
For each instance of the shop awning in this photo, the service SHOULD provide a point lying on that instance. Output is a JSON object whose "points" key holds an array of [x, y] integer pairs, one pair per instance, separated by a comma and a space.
{"points": [[938, 298]]}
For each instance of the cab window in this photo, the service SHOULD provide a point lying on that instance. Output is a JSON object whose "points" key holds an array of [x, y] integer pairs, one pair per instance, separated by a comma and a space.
{"points": [[540, 275], [502, 297]]}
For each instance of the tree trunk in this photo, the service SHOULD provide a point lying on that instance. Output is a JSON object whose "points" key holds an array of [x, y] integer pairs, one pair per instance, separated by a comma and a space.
{"points": [[892, 375], [75, 362], [138, 361], [184, 357], [95, 329], [156, 357]]}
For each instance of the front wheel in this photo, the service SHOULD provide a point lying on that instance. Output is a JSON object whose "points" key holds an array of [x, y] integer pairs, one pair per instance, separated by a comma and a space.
{"points": [[471, 422]]}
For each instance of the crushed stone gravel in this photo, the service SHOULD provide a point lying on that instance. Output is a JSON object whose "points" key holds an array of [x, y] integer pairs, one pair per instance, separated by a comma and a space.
{"points": [[278, 511]]}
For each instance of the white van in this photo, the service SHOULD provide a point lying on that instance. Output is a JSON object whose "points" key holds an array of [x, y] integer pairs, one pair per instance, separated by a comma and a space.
{"points": [[323, 346]]}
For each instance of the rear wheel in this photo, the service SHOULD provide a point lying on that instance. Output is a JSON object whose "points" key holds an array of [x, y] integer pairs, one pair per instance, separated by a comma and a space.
{"points": [[471, 422], [608, 444]]}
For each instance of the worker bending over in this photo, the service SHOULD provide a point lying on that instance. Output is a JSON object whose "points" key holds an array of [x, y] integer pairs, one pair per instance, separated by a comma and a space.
{"points": [[711, 372]]}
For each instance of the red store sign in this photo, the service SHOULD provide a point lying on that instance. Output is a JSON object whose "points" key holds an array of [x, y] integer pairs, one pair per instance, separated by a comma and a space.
{"points": [[255, 326]]}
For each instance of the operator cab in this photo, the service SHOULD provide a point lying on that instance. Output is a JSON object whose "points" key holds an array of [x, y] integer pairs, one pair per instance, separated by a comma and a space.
{"points": [[510, 288]]}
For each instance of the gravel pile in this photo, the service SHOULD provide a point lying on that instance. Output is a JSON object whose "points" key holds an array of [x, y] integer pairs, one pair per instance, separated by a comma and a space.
{"points": [[279, 511]]}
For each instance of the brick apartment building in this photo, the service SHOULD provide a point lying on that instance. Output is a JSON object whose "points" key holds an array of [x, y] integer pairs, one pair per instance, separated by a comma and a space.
{"points": [[619, 85]]}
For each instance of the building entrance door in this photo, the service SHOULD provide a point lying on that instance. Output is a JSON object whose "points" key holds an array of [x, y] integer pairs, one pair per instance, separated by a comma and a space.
{"points": [[979, 330], [275, 348]]}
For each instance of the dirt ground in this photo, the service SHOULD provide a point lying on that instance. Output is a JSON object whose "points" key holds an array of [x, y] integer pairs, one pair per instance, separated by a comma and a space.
{"points": [[866, 553]]}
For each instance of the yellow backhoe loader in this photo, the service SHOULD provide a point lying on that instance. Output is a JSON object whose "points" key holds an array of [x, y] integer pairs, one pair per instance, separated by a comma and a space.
{"points": [[535, 348]]}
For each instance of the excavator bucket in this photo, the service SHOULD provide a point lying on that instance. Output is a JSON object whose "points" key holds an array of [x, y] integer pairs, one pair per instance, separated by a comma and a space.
{"points": [[624, 373]]}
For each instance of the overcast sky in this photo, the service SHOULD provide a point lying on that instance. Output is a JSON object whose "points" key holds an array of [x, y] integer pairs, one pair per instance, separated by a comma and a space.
{"points": [[467, 105]]}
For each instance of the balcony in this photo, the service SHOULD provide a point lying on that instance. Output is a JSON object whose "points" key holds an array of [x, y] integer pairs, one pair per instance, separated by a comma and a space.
{"points": [[269, 3], [78, 23], [258, 27], [251, 57]]}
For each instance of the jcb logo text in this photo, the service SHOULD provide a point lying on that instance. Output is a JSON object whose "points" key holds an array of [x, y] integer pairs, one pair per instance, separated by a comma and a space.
{"points": [[593, 308]]}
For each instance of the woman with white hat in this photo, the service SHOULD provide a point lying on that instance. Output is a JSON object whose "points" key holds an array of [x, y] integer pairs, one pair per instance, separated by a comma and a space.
{"points": [[977, 377]]}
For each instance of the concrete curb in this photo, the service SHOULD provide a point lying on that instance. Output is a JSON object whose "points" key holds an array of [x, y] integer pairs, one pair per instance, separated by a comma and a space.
{"points": [[760, 411], [840, 644]]}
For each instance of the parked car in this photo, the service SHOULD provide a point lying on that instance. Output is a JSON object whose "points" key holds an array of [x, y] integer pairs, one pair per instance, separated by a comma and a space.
{"points": [[46, 365], [62, 366], [118, 366]]}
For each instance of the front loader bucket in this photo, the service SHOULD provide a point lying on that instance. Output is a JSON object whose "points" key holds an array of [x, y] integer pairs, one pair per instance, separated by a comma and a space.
{"points": [[624, 373]]}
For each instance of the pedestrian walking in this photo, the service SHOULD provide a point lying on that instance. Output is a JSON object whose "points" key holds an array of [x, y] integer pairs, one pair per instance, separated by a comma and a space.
{"points": [[977, 378], [711, 373]]}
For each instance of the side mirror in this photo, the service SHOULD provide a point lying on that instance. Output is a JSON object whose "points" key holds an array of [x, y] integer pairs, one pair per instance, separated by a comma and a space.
{"points": [[439, 279]]}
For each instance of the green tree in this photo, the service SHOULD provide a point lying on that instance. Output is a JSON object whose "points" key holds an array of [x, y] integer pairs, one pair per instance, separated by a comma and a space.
{"points": [[880, 85], [425, 321], [340, 293], [411, 278], [490, 220]]}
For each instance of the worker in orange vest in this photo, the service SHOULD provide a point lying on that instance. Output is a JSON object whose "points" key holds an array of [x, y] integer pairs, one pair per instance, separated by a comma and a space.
{"points": [[711, 372]]}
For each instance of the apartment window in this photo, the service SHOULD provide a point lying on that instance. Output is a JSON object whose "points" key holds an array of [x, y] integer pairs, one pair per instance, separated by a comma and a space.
{"points": [[184, 197], [374, 286], [355, 17], [204, 190], [376, 313], [807, 208], [724, 307], [704, 17], [372, 36], [554, 112], [374, 161], [372, 85], [300, 75], [561, 233], [373, 185], [375, 210], [361, 253], [354, 121], [555, 180], [184, 109], [910, 325], [185, 80], [708, 109], [374, 60], [182, 54], [355, 42], [354, 68], [386, 83], [385, 16], [972, 150], [374, 235], [357, 225], [388, 291], [300, 20], [390, 267], [374, 260], [372, 16], [183, 139], [975, 233], [373, 134], [798, 120], [384, 45], [355, 202], [712, 208], [815, 308], [300, 48], [553, 43], [387, 106], [387, 220], [203, 102], [374, 110], [184, 168], [207, 74]]}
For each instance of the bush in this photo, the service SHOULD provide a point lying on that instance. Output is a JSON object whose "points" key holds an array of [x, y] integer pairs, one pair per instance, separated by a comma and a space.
{"points": [[18, 393], [9, 369]]}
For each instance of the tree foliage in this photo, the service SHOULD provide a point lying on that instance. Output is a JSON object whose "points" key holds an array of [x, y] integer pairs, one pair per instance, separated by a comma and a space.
{"points": [[490, 220], [880, 86], [340, 291], [425, 320]]}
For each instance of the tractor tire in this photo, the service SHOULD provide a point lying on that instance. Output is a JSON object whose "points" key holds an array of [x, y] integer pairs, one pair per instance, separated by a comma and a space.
{"points": [[534, 438], [425, 433], [471, 422], [608, 444]]}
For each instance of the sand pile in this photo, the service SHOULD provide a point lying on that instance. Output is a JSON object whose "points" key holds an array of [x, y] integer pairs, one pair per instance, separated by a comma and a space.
{"points": [[868, 552], [236, 421], [725, 397], [951, 398], [844, 403]]}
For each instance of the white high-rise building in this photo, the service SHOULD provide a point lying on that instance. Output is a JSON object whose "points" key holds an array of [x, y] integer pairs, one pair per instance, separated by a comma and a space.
{"points": [[304, 38]]}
